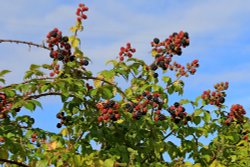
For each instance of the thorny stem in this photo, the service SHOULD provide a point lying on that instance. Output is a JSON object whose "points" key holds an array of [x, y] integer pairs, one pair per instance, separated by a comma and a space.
{"points": [[24, 42]]}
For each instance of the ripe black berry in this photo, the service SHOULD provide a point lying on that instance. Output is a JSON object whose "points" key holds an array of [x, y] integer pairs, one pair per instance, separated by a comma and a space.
{"points": [[176, 104], [155, 99], [162, 117], [65, 39], [112, 117], [188, 118], [144, 94], [60, 57], [177, 120], [17, 109], [51, 54], [111, 103], [154, 67], [175, 33], [155, 75], [130, 109], [60, 115], [149, 97], [58, 125], [186, 35], [156, 40], [127, 106], [85, 62], [222, 99], [72, 58], [53, 34], [138, 115]]}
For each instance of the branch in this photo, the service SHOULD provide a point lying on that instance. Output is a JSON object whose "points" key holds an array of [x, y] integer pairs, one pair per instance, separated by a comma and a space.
{"points": [[24, 42], [170, 133], [27, 81], [13, 162], [110, 83]]}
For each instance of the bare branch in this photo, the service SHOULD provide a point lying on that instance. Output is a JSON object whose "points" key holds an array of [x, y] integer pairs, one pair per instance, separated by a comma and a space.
{"points": [[24, 42], [13, 162]]}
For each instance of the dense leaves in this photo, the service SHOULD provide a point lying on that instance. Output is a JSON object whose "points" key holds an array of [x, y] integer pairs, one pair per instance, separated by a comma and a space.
{"points": [[135, 125]]}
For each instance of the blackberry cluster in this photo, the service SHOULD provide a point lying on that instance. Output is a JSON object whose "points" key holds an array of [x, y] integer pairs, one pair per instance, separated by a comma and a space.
{"points": [[236, 114], [173, 44], [64, 120], [146, 101], [192, 67], [80, 12], [178, 113], [109, 111], [164, 51], [59, 46], [216, 97], [55, 67], [126, 51], [5, 106]]}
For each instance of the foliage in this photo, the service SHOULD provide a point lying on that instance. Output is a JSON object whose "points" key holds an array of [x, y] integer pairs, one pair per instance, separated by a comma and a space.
{"points": [[135, 126]]}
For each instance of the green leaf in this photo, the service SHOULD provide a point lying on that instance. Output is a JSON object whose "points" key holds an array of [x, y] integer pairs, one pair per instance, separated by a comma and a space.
{"points": [[167, 79], [30, 106], [3, 72], [74, 41], [197, 120], [184, 101], [42, 163], [198, 112], [207, 116], [109, 163], [34, 66]]}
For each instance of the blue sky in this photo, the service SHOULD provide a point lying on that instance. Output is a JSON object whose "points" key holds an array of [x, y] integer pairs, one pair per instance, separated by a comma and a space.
{"points": [[219, 33]]}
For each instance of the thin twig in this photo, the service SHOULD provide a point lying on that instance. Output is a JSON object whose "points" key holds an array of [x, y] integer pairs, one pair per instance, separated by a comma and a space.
{"points": [[24, 42], [170, 133], [13, 162]]}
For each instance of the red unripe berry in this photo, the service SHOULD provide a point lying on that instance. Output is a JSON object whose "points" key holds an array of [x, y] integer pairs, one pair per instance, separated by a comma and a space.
{"points": [[121, 58], [79, 19], [156, 118], [130, 55], [100, 118], [128, 45], [51, 74], [158, 112], [110, 111], [133, 50], [78, 12], [84, 16], [117, 116], [105, 117], [104, 111]]}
